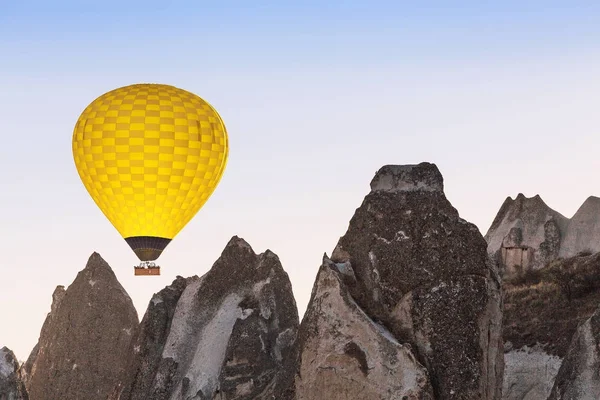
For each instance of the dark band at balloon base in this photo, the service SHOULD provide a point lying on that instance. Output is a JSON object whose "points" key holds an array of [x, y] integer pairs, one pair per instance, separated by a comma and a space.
{"points": [[147, 248]]}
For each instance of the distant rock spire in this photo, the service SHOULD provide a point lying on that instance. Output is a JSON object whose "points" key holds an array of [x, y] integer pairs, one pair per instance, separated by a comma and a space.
{"points": [[11, 385], [583, 231], [526, 234], [543, 233], [85, 342]]}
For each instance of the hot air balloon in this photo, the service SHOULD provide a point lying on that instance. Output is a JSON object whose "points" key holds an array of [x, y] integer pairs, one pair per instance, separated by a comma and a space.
{"points": [[150, 156]]}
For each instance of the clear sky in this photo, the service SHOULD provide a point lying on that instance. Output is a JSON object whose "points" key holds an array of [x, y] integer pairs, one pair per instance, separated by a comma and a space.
{"points": [[503, 97]]}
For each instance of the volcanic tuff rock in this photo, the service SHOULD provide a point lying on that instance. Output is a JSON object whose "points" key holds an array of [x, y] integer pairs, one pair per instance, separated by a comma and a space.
{"points": [[578, 377], [545, 296], [29, 367], [344, 354], [149, 343], [86, 339], [232, 333], [11, 386], [583, 232], [541, 315], [529, 373], [525, 233], [424, 274]]}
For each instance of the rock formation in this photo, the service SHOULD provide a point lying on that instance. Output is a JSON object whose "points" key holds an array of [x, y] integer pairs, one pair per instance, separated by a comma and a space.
{"points": [[148, 345], [421, 272], [229, 335], [547, 285], [85, 341], [541, 315], [525, 234], [346, 355], [583, 231], [529, 373], [408, 307], [11, 386], [579, 375]]}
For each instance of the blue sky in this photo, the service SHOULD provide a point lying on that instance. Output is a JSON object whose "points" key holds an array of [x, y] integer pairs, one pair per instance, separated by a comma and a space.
{"points": [[502, 97]]}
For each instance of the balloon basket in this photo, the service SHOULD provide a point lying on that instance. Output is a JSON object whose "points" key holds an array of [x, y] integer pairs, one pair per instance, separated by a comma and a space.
{"points": [[146, 269]]}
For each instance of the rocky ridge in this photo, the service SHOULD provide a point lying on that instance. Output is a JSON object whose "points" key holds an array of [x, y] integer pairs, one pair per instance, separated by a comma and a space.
{"points": [[408, 306]]}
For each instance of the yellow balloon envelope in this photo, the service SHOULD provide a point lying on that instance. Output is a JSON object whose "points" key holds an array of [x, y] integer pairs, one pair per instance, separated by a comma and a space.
{"points": [[150, 156]]}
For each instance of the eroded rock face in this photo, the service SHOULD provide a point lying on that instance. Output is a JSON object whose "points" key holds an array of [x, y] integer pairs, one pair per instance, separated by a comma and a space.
{"points": [[541, 316], [232, 334], [30, 365], [583, 232], [86, 339], [11, 386], [425, 274], [344, 354], [526, 234], [550, 248], [148, 345], [529, 374], [579, 374]]}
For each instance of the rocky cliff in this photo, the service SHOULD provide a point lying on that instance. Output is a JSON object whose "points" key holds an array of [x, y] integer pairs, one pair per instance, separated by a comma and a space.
{"points": [[86, 339], [230, 334], [527, 234], [11, 385], [416, 281]]}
